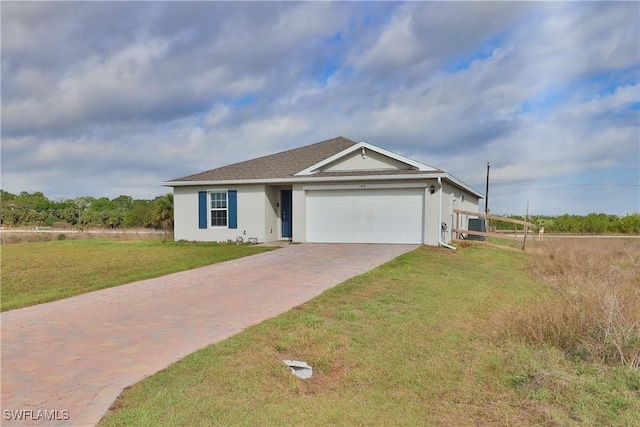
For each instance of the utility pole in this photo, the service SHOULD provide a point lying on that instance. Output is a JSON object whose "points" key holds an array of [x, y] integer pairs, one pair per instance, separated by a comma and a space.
{"points": [[486, 201]]}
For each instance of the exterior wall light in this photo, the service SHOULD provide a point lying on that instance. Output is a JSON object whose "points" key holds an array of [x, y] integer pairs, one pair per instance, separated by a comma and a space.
{"points": [[432, 189]]}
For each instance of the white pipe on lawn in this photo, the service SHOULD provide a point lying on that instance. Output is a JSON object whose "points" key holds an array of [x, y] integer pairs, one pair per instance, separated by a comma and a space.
{"points": [[440, 242]]}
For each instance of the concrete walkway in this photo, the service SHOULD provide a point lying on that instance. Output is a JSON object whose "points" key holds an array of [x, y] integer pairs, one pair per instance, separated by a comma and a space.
{"points": [[65, 362]]}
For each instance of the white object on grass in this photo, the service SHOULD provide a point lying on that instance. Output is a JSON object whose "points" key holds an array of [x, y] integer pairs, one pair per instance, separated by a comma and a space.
{"points": [[299, 369]]}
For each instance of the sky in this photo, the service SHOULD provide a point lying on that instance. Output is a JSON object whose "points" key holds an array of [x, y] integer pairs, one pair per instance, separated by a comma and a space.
{"points": [[113, 98]]}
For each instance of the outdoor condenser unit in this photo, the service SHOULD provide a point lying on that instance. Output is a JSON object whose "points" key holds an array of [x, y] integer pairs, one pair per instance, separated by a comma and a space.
{"points": [[477, 224]]}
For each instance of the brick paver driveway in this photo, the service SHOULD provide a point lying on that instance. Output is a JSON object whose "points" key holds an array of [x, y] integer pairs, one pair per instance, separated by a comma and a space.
{"points": [[68, 360]]}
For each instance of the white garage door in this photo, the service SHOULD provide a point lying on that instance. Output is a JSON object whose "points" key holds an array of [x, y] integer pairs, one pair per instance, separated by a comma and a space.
{"points": [[365, 216]]}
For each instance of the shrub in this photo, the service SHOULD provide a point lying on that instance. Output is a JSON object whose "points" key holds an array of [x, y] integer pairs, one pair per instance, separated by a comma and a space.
{"points": [[50, 220]]}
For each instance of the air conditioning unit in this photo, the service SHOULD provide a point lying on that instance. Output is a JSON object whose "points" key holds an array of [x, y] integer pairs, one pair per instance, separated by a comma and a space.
{"points": [[477, 224]]}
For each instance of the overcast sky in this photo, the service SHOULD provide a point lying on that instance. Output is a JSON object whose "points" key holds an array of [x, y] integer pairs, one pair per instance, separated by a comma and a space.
{"points": [[111, 98]]}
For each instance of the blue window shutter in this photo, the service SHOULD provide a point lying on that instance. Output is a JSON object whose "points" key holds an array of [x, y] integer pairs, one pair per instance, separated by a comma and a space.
{"points": [[202, 209], [232, 195]]}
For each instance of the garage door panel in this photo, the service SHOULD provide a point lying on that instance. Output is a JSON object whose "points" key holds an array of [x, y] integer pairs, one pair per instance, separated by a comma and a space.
{"points": [[365, 216]]}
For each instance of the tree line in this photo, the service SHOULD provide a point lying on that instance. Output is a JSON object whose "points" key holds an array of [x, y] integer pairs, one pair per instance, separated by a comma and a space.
{"points": [[593, 223], [35, 209]]}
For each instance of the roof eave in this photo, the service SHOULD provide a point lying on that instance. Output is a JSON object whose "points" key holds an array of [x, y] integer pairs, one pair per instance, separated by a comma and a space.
{"points": [[462, 185], [300, 179], [304, 179]]}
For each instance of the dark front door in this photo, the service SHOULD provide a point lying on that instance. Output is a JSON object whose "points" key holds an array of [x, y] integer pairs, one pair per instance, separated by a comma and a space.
{"points": [[285, 213]]}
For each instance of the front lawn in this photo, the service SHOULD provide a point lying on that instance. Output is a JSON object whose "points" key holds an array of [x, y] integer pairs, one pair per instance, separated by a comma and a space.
{"points": [[34, 273], [422, 340]]}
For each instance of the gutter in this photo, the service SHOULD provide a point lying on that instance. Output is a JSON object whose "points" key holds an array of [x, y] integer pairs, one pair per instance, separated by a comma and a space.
{"points": [[326, 179], [305, 179], [440, 242]]}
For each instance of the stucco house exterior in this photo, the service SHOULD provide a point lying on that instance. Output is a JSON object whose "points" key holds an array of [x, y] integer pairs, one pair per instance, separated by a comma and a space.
{"points": [[336, 190]]}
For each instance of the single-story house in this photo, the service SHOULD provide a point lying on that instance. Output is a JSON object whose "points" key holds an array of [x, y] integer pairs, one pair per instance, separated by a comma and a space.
{"points": [[337, 190]]}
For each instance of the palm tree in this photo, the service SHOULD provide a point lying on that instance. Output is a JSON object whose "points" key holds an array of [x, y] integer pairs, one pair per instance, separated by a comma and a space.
{"points": [[163, 211]]}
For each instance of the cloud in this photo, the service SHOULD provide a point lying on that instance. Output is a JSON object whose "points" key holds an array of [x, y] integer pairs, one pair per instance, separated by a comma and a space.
{"points": [[145, 92]]}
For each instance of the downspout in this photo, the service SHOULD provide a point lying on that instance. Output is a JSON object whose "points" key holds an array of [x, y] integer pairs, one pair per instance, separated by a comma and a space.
{"points": [[440, 242]]}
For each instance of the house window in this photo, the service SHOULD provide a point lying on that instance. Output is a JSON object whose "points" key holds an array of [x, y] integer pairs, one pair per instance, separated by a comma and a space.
{"points": [[218, 206]]}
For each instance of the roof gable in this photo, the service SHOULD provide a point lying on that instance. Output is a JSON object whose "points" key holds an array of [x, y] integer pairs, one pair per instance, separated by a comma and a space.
{"points": [[365, 157], [366, 160]]}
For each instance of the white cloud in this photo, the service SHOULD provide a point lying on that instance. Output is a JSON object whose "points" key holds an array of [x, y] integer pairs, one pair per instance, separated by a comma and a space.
{"points": [[145, 92], [396, 47], [622, 97]]}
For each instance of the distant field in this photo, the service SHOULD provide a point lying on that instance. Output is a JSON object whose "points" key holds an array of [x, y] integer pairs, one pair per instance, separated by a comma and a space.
{"points": [[37, 272], [47, 234], [434, 337]]}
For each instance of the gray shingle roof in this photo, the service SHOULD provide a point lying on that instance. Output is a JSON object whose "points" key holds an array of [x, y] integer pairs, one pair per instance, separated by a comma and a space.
{"points": [[279, 165], [287, 163]]}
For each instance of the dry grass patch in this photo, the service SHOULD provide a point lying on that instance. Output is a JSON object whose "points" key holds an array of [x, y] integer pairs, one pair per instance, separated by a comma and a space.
{"points": [[11, 236], [593, 310]]}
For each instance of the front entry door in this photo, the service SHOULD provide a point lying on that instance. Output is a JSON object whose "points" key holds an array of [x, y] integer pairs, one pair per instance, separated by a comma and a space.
{"points": [[285, 213]]}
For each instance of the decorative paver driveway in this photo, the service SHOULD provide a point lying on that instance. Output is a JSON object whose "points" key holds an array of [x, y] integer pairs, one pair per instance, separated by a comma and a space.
{"points": [[65, 362]]}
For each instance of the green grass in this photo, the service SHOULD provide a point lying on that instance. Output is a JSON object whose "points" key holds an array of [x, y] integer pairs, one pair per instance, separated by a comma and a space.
{"points": [[508, 243], [418, 341], [33, 273]]}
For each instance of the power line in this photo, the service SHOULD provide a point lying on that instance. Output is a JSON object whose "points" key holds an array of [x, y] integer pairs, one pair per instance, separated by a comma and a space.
{"points": [[563, 185], [502, 190], [559, 187]]}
